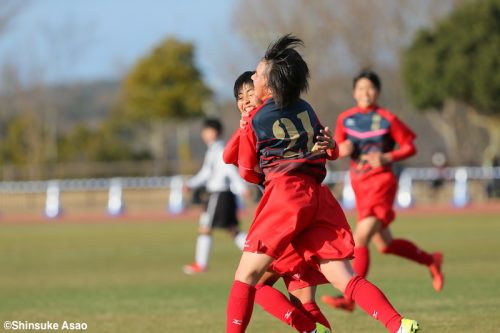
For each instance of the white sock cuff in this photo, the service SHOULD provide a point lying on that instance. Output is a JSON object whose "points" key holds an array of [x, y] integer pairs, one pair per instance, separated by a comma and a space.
{"points": [[240, 239], [203, 246]]}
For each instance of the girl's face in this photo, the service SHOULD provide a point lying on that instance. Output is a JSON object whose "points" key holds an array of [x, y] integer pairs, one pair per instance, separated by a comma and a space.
{"points": [[365, 93], [247, 101], [209, 135], [259, 78]]}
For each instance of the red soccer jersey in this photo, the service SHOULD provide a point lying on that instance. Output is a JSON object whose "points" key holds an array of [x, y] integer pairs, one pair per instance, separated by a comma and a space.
{"points": [[374, 130]]}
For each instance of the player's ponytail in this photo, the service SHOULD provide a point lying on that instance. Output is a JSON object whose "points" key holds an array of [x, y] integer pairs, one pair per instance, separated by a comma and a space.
{"points": [[287, 72]]}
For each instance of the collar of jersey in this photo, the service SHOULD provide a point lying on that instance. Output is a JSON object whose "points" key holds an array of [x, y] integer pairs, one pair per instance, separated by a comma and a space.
{"points": [[254, 111], [368, 109]]}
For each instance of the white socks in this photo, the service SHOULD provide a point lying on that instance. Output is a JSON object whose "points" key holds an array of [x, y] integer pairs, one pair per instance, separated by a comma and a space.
{"points": [[203, 246]]}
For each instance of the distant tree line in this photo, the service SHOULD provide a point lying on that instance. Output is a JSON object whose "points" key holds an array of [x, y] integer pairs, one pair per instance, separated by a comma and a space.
{"points": [[439, 62], [158, 94], [455, 68]]}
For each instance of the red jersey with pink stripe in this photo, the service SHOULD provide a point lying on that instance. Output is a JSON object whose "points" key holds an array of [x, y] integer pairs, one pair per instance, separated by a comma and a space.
{"points": [[371, 130]]}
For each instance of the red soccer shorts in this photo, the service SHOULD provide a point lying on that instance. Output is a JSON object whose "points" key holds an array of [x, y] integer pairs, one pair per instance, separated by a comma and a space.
{"points": [[296, 272], [311, 278], [297, 210], [375, 196]]}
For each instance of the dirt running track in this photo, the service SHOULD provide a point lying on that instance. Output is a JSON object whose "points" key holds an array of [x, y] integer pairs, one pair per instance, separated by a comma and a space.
{"points": [[492, 208]]}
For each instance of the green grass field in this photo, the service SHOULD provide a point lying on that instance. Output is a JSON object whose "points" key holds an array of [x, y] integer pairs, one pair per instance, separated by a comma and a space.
{"points": [[118, 276]]}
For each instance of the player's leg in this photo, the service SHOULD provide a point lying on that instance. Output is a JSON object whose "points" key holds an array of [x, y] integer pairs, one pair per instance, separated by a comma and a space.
{"points": [[242, 294], [202, 252], [366, 295], [406, 249], [227, 217], [267, 239], [278, 305], [374, 203], [365, 229], [305, 299], [204, 239]]}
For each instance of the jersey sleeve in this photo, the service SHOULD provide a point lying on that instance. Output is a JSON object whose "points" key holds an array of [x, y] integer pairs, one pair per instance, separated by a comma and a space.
{"points": [[340, 134], [404, 137], [236, 184], [333, 154], [247, 156], [230, 155], [203, 174]]}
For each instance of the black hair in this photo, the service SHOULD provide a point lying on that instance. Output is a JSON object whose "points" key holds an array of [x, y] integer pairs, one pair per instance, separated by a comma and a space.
{"points": [[245, 78], [287, 72], [213, 123], [370, 75]]}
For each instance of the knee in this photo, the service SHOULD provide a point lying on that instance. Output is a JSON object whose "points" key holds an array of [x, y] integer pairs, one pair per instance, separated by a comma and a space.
{"points": [[247, 276], [361, 240], [233, 232], [350, 289], [340, 285], [340, 282], [385, 249], [338, 273], [250, 275], [305, 295], [204, 231], [259, 286]]}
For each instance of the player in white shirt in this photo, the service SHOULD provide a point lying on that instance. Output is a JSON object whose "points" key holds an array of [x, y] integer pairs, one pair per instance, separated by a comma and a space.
{"points": [[223, 183]]}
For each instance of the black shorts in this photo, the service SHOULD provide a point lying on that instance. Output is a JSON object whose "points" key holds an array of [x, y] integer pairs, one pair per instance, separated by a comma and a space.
{"points": [[221, 210]]}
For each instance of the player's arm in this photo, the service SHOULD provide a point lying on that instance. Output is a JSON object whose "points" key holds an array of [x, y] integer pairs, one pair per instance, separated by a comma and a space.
{"points": [[345, 145], [326, 144], [247, 156], [202, 176], [404, 137], [230, 155], [237, 185]]}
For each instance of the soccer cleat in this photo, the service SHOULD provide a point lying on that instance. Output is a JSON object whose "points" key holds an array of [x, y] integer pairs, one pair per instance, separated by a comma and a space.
{"points": [[408, 326], [435, 269], [193, 269], [339, 302], [321, 329]]}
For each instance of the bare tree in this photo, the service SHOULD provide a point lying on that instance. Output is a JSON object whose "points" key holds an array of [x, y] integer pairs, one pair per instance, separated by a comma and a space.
{"points": [[342, 37], [27, 85], [9, 9]]}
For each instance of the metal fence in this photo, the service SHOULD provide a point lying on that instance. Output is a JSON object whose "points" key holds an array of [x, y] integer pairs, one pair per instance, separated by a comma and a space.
{"points": [[113, 188]]}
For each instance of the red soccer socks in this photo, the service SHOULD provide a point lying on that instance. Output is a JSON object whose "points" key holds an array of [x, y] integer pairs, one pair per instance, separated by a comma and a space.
{"points": [[408, 250], [361, 262], [368, 297], [313, 311], [277, 304], [239, 307]]}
